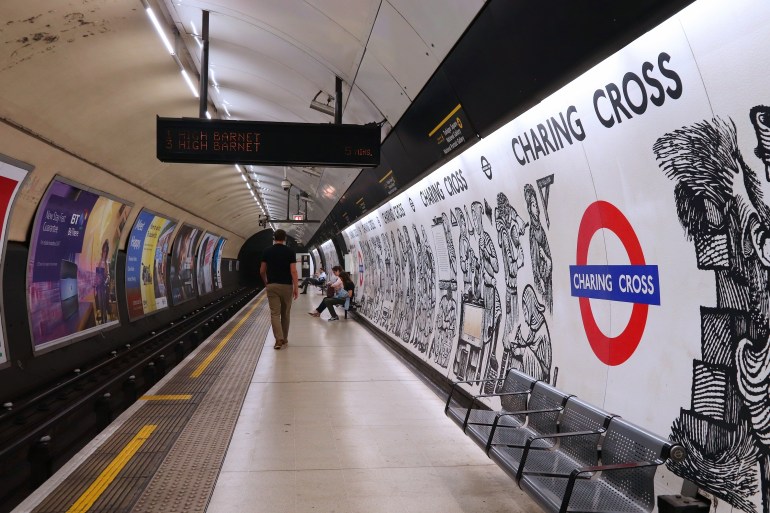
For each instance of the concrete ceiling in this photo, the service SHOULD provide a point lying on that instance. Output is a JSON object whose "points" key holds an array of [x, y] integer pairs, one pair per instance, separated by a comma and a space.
{"points": [[92, 75]]}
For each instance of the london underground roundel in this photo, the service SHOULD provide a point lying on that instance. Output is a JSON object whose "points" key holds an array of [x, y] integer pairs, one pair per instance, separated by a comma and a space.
{"points": [[637, 283]]}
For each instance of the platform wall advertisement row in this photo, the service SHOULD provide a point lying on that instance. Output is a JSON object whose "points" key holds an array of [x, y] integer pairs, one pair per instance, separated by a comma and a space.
{"points": [[71, 272], [613, 241]]}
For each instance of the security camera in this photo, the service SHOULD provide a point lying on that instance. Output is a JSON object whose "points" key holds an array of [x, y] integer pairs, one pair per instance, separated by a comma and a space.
{"points": [[285, 184]]}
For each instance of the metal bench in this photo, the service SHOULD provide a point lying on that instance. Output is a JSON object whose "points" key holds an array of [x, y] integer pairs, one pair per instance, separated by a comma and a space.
{"points": [[623, 482], [575, 445], [352, 305], [540, 417], [513, 394]]}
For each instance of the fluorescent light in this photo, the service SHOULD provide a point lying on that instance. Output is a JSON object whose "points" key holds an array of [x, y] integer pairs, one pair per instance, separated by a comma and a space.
{"points": [[195, 33], [208, 114], [244, 178], [159, 29], [189, 83]]}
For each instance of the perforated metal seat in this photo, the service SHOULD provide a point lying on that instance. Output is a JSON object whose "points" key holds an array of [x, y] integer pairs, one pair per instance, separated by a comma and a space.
{"points": [[513, 391], [505, 444], [622, 483], [576, 445]]}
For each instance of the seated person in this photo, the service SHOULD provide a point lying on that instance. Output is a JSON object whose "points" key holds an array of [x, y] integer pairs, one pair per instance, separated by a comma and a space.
{"points": [[319, 280], [344, 290]]}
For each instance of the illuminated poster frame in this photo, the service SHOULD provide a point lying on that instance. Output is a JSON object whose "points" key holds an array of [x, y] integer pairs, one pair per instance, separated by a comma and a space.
{"points": [[147, 266], [190, 235], [13, 175], [65, 257], [218, 263], [204, 261]]}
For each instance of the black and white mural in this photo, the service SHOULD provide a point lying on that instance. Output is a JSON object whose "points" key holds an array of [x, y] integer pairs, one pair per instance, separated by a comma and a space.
{"points": [[722, 203], [330, 257], [613, 241]]}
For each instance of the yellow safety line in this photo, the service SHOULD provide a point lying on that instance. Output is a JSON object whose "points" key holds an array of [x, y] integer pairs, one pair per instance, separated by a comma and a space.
{"points": [[171, 397], [109, 474], [210, 358], [386, 176], [445, 120]]}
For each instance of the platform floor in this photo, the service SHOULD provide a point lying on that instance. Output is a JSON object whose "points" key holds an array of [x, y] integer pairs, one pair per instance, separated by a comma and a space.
{"points": [[333, 422]]}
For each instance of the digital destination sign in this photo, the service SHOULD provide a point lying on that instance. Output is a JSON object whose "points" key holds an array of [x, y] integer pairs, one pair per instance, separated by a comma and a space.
{"points": [[206, 141]]}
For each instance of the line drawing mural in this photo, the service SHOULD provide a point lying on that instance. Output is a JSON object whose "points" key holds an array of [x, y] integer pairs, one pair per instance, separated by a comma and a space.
{"points": [[510, 228], [446, 316], [443, 297], [722, 204], [539, 250]]}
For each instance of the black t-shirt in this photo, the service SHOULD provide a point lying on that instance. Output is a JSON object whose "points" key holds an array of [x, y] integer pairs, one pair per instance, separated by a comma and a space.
{"points": [[279, 259]]}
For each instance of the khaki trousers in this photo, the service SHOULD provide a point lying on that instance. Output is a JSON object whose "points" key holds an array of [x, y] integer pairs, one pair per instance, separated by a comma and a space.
{"points": [[279, 297]]}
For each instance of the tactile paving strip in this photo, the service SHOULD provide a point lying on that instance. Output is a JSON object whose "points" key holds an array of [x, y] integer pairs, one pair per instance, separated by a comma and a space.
{"points": [[177, 466], [186, 479]]}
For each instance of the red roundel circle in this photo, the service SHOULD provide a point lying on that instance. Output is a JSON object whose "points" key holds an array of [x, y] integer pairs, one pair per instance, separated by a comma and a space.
{"points": [[610, 350]]}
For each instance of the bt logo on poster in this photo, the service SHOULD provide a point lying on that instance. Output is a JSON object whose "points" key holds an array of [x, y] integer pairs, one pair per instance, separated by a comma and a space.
{"points": [[637, 283]]}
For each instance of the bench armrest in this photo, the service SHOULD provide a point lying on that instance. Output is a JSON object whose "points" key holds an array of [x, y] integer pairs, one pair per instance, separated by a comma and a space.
{"points": [[558, 436], [511, 414], [465, 382], [600, 468]]}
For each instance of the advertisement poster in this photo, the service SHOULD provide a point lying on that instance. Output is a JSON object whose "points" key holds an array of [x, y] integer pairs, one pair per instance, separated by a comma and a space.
{"points": [[204, 264], [146, 263], [71, 267], [12, 174], [218, 263], [182, 273]]}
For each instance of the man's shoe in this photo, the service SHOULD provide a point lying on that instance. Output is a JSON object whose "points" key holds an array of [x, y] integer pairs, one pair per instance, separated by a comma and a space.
{"points": [[278, 344], [314, 314], [334, 318], [303, 292], [285, 342]]}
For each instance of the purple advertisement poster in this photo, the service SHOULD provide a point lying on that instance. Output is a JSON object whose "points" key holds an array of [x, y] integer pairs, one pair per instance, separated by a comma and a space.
{"points": [[181, 274], [71, 267]]}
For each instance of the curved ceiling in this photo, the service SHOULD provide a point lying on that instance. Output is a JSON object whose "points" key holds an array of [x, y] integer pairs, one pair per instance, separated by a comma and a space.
{"points": [[91, 76]]}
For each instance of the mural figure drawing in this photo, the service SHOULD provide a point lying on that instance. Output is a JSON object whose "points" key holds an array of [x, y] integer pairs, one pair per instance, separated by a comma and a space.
{"points": [[510, 227], [539, 250], [446, 316], [722, 203]]}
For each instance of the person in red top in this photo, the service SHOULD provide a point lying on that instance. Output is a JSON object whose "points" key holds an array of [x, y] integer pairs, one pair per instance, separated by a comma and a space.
{"points": [[279, 274]]}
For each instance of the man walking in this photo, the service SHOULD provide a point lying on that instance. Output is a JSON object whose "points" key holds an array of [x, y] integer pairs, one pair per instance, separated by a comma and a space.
{"points": [[279, 274]]}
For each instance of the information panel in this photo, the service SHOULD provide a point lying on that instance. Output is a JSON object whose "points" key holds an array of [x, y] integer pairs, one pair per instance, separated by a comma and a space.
{"points": [[207, 141], [218, 263], [146, 272], [181, 274], [71, 267], [205, 261]]}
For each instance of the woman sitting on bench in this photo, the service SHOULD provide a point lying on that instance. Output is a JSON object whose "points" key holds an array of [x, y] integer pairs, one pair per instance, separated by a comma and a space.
{"points": [[344, 290]]}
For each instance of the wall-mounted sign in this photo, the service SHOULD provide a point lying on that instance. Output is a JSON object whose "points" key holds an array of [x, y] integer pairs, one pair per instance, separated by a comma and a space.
{"points": [[71, 289], [146, 264], [205, 141]]}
